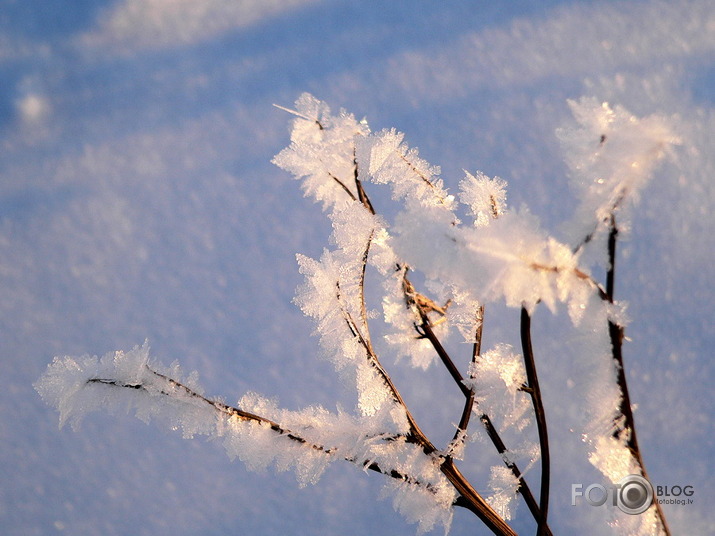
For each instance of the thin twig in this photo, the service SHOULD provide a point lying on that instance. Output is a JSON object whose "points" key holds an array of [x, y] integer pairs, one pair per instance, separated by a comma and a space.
{"points": [[540, 415], [424, 328], [342, 185], [416, 434], [229, 411], [363, 306], [476, 353], [580, 274], [616, 335], [362, 195], [469, 498], [429, 334], [612, 211]]}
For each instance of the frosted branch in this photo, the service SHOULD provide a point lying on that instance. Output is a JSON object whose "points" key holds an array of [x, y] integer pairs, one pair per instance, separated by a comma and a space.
{"points": [[504, 256], [127, 381]]}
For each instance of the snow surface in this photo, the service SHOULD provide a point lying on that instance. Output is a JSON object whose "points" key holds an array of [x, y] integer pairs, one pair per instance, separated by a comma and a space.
{"points": [[138, 201]]}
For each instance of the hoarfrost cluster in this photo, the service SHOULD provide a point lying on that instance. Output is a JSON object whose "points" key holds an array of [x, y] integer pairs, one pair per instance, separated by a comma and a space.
{"points": [[497, 255]]}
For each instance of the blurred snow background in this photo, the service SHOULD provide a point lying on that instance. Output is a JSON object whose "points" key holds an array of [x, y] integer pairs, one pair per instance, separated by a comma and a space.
{"points": [[137, 201]]}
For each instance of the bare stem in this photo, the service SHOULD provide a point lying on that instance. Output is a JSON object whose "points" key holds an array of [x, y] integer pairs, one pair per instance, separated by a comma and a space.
{"points": [[494, 436], [425, 330], [540, 415], [616, 335], [476, 352]]}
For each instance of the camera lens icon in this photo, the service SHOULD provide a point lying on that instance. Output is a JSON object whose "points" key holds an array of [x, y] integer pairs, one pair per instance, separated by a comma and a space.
{"points": [[635, 494]]}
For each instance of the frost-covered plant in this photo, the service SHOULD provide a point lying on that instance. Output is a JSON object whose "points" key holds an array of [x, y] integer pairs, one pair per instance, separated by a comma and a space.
{"points": [[498, 255]]}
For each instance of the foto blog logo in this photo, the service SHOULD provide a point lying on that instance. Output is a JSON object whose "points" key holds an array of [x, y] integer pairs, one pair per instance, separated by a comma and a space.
{"points": [[632, 494]]}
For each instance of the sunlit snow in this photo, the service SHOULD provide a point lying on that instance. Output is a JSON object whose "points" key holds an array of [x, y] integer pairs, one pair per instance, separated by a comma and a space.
{"points": [[138, 202]]}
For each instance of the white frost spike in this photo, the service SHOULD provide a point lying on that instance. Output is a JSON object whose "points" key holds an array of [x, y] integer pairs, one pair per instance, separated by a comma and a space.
{"points": [[322, 152], [390, 161], [403, 337], [611, 456], [463, 312], [611, 155], [372, 392], [64, 383], [423, 507], [504, 485], [353, 228], [485, 197], [497, 377], [427, 507], [455, 448]]}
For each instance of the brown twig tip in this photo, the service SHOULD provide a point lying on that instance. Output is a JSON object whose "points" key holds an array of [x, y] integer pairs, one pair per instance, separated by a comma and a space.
{"points": [[362, 195], [342, 185], [494, 207]]}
